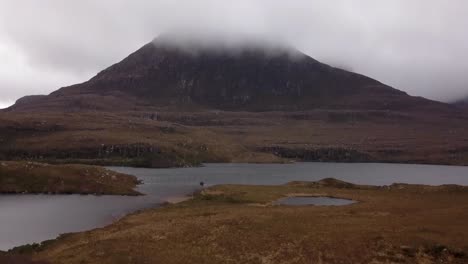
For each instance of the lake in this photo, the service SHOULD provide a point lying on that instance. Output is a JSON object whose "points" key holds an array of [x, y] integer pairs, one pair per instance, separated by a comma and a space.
{"points": [[33, 218]]}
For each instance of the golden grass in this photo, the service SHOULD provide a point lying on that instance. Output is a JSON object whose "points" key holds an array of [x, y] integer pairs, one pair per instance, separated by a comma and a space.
{"points": [[226, 224], [31, 177]]}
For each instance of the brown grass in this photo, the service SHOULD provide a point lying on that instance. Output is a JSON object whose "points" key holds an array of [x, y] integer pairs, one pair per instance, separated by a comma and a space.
{"points": [[10, 259], [188, 138], [238, 224], [31, 177]]}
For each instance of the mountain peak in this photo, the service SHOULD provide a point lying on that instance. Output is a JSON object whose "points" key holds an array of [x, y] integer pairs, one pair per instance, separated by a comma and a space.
{"points": [[245, 74], [228, 44]]}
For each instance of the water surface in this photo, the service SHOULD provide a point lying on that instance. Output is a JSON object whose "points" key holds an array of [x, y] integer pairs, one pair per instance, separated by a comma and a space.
{"points": [[34, 218], [182, 180], [26, 219]]}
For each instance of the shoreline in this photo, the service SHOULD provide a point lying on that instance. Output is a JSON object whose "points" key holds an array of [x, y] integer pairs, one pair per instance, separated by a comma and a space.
{"points": [[177, 200], [167, 202], [237, 202], [280, 160], [25, 177], [234, 198], [181, 199]]}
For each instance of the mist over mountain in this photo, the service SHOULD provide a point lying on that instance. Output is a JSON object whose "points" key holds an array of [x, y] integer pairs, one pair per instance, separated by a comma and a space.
{"points": [[393, 42], [215, 72], [195, 42], [463, 102]]}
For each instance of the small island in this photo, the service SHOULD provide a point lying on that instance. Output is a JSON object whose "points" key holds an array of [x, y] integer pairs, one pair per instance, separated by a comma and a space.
{"points": [[23, 177]]}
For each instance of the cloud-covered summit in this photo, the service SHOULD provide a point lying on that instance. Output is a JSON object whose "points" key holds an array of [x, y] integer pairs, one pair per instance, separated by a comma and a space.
{"points": [[233, 43], [417, 46]]}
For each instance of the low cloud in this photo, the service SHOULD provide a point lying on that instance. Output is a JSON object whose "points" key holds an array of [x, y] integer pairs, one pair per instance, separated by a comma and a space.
{"points": [[416, 46]]}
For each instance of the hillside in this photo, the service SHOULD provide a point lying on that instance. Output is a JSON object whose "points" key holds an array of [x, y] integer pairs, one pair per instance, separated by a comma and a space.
{"points": [[168, 105]]}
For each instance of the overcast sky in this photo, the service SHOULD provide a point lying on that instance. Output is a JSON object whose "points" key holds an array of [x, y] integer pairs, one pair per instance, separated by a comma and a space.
{"points": [[419, 46]]}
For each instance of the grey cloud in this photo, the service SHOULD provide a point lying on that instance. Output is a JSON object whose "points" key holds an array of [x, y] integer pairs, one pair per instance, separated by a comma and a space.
{"points": [[416, 46]]}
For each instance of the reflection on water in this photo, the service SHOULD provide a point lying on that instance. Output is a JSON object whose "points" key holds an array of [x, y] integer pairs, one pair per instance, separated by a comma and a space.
{"points": [[34, 218]]}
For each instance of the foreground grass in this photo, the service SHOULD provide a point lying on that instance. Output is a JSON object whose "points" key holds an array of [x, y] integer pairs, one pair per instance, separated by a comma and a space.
{"points": [[238, 224], [30, 177]]}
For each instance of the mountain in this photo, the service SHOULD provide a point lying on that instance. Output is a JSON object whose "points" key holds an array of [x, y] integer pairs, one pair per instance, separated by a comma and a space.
{"points": [[250, 77], [175, 103]]}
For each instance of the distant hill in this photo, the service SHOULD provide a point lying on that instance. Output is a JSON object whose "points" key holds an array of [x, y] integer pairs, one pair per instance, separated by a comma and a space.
{"points": [[247, 78]]}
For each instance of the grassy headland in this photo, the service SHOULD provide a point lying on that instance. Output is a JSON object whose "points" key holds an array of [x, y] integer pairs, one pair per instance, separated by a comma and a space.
{"points": [[31, 177], [239, 224]]}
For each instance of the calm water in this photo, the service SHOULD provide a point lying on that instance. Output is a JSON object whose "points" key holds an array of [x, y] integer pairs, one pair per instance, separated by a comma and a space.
{"points": [[34, 218], [319, 201]]}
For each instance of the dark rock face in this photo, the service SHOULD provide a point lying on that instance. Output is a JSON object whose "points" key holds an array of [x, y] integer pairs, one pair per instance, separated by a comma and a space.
{"points": [[251, 79]]}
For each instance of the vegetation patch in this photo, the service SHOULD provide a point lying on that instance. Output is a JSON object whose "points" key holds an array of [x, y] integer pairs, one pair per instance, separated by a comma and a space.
{"points": [[400, 223], [30, 177]]}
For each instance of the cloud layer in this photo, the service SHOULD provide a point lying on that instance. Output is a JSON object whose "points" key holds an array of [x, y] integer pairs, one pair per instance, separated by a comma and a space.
{"points": [[418, 46]]}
